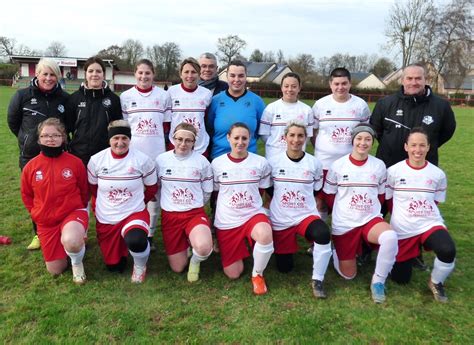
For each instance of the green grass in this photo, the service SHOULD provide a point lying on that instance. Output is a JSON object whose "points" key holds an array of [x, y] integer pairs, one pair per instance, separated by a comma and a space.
{"points": [[36, 308]]}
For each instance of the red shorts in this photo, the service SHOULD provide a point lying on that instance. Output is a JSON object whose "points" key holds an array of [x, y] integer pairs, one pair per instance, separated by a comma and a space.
{"points": [[176, 227], [349, 244], [285, 241], [232, 241], [50, 236], [409, 248], [110, 236]]}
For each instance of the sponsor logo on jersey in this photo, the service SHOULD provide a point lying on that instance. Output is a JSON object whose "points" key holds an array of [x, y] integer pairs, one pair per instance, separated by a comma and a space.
{"points": [[104, 171], [193, 121], [176, 103], [61, 108], [168, 172], [282, 140], [224, 175], [67, 173], [403, 181], [361, 202], [221, 104], [399, 112], [241, 200], [106, 102], [182, 196], [133, 105], [292, 199], [278, 116], [281, 172], [420, 208], [34, 101], [328, 112], [345, 177], [427, 120], [82, 105], [248, 104], [341, 135], [38, 175], [146, 127], [119, 196]]}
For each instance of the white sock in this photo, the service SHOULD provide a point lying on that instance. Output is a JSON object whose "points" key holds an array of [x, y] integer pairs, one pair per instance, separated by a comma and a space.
{"points": [[153, 208], [321, 255], [196, 258], [261, 256], [388, 250], [441, 271], [141, 258], [76, 258]]}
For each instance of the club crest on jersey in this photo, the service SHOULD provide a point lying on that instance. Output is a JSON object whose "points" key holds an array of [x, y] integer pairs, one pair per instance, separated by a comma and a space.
{"points": [[241, 200], [157, 103], [292, 199], [201, 102], [106, 102], [193, 121], [247, 104], [341, 135], [182, 196], [118, 196], [361, 202], [61, 108], [147, 127], [38, 175], [429, 182], [34, 101], [420, 208], [427, 120], [67, 173], [196, 173], [131, 170], [399, 112], [253, 172]]}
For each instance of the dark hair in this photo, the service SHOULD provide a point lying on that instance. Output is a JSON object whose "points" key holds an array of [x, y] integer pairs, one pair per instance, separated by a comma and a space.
{"points": [[238, 125], [192, 61], [420, 130], [92, 60], [340, 72], [291, 75], [237, 63], [145, 62]]}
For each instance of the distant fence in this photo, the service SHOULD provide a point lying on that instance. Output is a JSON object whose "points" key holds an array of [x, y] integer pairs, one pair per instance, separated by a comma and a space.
{"points": [[6, 82]]}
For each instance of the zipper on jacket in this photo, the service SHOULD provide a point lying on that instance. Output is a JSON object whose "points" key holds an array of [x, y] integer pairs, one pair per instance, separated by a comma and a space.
{"points": [[24, 145]]}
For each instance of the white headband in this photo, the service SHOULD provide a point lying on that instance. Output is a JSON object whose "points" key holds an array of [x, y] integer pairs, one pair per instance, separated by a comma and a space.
{"points": [[185, 130]]}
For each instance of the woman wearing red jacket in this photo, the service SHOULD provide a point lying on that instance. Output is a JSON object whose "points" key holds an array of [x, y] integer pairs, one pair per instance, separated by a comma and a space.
{"points": [[55, 192]]}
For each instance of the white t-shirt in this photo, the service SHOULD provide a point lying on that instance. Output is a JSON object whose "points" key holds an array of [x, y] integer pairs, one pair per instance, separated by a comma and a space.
{"points": [[190, 107], [146, 113], [357, 189], [183, 181], [335, 122], [415, 193], [274, 120], [238, 184], [294, 185], [121, 183]]}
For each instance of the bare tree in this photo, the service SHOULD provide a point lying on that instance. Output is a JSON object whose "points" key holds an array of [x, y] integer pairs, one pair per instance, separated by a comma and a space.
{"points": [[280, 57], [166, 58], [304, 65], [448, 42], [406, 24], [8, 46], [229, 47], [354, 63], [55, 49], [269, 56], [132, 51]]}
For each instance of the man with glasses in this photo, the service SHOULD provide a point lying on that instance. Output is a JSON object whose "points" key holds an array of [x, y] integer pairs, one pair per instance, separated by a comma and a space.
{"points": [[209, 78]]}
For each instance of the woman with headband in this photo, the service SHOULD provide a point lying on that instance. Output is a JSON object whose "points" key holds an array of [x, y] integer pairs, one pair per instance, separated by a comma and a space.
{"points": [[123, 180], [186, 186], [355, 189]]}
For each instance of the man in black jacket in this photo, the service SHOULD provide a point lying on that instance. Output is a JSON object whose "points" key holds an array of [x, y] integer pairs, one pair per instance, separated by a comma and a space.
{"points": [[412, 106], [209, 78]]}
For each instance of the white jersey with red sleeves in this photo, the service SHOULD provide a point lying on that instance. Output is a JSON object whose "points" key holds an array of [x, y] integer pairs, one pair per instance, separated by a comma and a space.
{"points": [[183, 181], [120, 183], [335, 121], [415, 193], [238, 184], [294, 185], [357, 189], [146, 113], [274, 119], [190, 107]]}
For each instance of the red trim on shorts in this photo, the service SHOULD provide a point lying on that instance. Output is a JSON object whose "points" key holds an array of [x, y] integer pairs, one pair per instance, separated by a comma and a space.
{"points": [[349, 244], [409, 248], [232, 243], [285, 241]]}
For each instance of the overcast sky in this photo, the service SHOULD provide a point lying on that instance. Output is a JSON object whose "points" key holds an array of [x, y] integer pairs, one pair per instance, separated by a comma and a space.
{"points": [[318, 27]]}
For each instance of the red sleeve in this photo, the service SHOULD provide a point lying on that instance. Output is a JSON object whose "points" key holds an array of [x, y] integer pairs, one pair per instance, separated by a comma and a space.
{"points": [[381, 198], [166, 128], [93, 189], [83, 184], [329, 199], [26, 190], [150, 192], [389, 205]]}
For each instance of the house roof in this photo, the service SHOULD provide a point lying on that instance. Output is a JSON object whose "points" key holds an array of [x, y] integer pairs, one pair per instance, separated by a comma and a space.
{"points": [[257, 69], [357, 77], [275, 73], [450, 82]]}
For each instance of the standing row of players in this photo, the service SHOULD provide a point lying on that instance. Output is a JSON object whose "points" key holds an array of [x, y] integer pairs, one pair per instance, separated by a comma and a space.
{"points": [[228, 106]]}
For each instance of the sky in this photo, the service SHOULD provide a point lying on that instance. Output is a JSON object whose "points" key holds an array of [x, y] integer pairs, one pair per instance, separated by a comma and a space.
{"points": [[317, 27]]}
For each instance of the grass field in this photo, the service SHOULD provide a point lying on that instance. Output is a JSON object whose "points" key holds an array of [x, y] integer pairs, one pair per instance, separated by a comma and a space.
{"points": [[36, 308]]}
